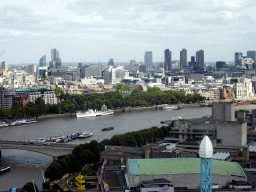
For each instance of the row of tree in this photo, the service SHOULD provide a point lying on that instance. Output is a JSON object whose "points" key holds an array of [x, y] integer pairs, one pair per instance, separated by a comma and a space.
{"points": [[82, 154], [89, 153], [76, 102]]}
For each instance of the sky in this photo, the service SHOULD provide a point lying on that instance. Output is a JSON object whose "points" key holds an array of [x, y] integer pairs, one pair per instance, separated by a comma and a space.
{"points": [[89, 30]]}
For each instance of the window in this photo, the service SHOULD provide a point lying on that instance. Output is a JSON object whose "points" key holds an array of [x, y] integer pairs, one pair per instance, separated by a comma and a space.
{"points": [[219, 141]]}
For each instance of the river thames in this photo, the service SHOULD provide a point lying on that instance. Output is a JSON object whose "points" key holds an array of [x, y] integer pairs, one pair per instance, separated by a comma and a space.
{"points": [[27, 166]]}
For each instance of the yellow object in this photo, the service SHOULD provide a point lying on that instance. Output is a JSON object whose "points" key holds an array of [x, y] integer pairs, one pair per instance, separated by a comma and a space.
{"points": [[65, 189], [80, 182], [67, 182]]}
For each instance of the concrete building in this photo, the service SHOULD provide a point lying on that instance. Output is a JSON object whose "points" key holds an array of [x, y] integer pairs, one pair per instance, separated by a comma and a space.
{"points": [[238, 57], [228, 133], [93, 70], [183, 58], [220, 64], [32, 69], [6, 98], [167, 60], [42, 61], [148, 59], [223, 111], [48, 95], [114, 75], [4, 66], [200, 60]]}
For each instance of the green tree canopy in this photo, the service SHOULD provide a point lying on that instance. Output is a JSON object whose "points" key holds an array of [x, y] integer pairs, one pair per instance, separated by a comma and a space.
{"points": [[29, 187]]}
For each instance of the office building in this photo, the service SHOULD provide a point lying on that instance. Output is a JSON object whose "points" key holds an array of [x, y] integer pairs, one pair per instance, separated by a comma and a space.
{"points": [[200, 60], [167, 60], [54, 55], [183, 58], [6, 98], [220, 64], [32, 69], [93, 71], [42, 61], [111, 62], [148, 59], [48, 95], [238, 58], [4, 66], [142, 68], [252, 55]]}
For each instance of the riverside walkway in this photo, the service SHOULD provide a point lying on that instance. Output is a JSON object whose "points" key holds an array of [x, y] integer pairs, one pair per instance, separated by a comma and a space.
{"points": [[51, 149]]}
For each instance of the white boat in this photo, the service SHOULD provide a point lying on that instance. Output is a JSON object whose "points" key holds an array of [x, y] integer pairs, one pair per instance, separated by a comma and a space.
{"points": [[3, 124], [85, 135], [40, 140], [14, 123], [165, 106], [108, 112], [91, 113], [29, 121]]}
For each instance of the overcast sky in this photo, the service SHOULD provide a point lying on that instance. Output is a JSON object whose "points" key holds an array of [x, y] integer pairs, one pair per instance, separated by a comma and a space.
{"points": [[86, 30]]}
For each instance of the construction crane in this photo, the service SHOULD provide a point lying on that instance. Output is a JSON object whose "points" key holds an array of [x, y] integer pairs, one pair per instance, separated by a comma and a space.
{"points": [[2, 53]]}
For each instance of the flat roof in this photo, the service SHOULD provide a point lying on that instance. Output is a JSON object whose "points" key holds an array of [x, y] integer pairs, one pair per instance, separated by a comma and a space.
{"points": [[181, 166]]}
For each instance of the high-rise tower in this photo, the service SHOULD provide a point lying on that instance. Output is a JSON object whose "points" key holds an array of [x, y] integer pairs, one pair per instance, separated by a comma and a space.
{"points": [[42, 61], [200, 60], [167, 60], [238, 57], [183, 58], [148, 59], [252, 55]]}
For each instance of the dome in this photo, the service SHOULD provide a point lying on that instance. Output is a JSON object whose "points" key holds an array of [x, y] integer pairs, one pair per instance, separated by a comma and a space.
{"points": [[206, 149]]}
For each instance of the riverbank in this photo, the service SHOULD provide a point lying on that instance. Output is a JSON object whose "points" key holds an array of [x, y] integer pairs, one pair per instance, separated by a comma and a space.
{"points": [[121, 110]]}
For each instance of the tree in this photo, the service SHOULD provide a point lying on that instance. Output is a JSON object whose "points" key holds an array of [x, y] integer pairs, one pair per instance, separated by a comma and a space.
{"points": [[54, 171], [29, 187], [58, 90]]}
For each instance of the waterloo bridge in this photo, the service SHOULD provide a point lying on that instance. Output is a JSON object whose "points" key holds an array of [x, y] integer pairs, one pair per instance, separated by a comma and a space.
{"points": [[54, 150]]}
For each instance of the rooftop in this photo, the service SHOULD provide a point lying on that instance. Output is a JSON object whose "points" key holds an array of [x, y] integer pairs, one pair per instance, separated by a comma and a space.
{"points": [[181, 166], [33, 89]]}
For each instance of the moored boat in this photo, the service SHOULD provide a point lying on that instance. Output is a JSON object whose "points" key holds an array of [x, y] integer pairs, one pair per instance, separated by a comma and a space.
{"points": [[107, 128], [91, 113], [5, 168], [85, 135], [3, 124]]}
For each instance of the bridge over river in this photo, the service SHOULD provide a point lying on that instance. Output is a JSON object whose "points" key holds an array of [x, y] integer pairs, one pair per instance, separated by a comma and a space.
{"points": [[51, 149]]}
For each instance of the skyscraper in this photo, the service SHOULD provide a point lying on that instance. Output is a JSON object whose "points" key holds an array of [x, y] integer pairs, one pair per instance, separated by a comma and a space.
{"points": [[148, 59], [252, 55], [55, 62], [4, 66], [200, 60], [42, 61], [167, 60], [54, 55], [111, 62], [238, 57], [183, 58]]}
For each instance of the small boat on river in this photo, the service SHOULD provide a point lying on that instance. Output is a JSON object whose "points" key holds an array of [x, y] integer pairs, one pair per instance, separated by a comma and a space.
{"points": [[107, 128], [5, 169]]}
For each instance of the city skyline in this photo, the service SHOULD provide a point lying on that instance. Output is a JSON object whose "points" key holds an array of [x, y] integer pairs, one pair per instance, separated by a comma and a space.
{"points": [[87, 31]]}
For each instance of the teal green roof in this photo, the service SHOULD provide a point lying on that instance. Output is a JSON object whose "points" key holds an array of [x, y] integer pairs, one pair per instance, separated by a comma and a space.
{"points": [[33, 89], [181, 166]]}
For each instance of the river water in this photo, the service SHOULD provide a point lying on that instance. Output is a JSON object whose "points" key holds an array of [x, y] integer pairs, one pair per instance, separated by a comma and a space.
{"points": [[27, 166]]}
